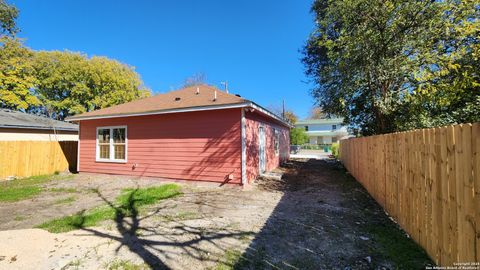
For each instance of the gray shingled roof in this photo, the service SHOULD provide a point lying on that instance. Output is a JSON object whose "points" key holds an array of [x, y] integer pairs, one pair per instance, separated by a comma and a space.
{"points": [[16, 119]]}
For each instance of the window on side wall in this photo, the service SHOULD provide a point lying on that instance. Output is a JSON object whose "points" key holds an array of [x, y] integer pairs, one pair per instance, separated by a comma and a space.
{"points": [[112, 144], [306, 128], [334, 127], [276, 142]]}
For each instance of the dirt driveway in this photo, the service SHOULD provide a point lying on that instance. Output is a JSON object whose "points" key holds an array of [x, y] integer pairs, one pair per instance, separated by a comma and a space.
{"points": [[316, 217]]}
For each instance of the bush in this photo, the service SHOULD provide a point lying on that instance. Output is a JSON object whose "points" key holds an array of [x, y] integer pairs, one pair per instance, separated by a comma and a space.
{"points": [[335, 150], [298, 136]]}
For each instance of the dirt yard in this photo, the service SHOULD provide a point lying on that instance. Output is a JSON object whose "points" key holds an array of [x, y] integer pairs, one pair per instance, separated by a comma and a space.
{"points": [[315, 217]]}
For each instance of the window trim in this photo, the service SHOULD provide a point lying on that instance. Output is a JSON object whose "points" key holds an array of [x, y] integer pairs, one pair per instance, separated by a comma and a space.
{"points": [[111, 146], [276, 142]]}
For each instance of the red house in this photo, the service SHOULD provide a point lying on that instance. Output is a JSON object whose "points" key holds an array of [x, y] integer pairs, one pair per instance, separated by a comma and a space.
{"points": [[197, 133]]}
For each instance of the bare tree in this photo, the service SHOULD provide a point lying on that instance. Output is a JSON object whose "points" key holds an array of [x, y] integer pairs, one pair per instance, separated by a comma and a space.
{"points": [[195, 79], [288, 115]]}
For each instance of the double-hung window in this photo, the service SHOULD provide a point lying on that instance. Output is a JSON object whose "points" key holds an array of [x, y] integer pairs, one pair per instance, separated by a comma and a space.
{"points": [[112, 144]]}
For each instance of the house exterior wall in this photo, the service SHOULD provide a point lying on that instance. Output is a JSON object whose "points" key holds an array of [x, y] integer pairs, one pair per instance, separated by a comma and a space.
{"points": [[252, 122], [322, 131], [202, 146], [17, 134]]}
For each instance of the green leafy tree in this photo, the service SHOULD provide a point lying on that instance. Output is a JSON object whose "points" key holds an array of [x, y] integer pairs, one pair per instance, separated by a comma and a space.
{"points": [[71, 83], [381, 64], [449, 91], [8, 15], [298, 136], [17, 76]]}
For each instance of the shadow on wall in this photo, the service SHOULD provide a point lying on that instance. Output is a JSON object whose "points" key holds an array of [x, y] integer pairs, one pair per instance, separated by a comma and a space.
{"points": [[326, 220], [222, 157]]}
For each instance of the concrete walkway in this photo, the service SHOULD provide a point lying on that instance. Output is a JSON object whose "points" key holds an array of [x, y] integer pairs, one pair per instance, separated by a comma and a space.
{"points": [[313, 154]]}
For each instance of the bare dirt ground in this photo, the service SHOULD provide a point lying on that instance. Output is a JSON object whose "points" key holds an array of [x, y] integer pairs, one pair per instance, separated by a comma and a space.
{"points": [[315, 217]]}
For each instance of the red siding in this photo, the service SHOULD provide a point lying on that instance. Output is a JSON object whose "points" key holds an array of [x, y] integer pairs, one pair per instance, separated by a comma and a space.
{"points": [[202, 145], [252, 123]]}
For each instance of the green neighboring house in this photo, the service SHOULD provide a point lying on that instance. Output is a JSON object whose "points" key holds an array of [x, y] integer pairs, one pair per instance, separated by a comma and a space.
{"points": [[323, 131]]}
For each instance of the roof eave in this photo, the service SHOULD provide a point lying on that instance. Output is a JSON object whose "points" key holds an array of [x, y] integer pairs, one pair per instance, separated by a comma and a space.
{"points": [[41, 128], [270, 114], [188, 109]]}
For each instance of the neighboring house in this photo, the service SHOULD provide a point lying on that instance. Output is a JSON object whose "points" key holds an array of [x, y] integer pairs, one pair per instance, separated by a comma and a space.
{"points": [[196, 133], [19, 126], [323, 131]]}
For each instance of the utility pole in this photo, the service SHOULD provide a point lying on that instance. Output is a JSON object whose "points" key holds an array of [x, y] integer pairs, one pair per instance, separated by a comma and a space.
{"points": [[283, 109]]}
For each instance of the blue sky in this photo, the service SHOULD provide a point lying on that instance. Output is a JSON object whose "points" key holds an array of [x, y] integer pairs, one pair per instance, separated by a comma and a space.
{"points": [[254, 45]]}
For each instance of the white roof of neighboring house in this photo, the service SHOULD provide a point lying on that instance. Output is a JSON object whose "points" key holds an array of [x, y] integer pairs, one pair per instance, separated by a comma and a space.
{"points": [[17, 119]]}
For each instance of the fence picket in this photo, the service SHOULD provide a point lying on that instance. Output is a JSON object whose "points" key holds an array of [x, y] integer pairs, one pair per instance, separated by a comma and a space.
{"points": [[429, 181], [29, 158]]}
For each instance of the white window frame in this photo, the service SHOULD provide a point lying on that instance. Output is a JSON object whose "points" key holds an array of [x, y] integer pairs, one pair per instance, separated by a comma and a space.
{"points": [[111, 146]]}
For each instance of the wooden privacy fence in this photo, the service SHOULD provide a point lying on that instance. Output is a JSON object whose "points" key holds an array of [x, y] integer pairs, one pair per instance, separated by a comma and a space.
{"points": [[29, 158], [428, 180]]}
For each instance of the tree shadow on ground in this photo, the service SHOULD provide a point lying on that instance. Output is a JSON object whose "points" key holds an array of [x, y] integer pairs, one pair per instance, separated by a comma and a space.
{"points": [[327, 220], [130, 234]]}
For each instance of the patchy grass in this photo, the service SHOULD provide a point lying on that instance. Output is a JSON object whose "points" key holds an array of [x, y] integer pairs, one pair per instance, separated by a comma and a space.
{"points": [[18, 194], [126, 265], [19, 218], [63, 190], [231, 260], [22, 189], [183, 215], [129, 201], [404, 252], [145, 196], [79, 220], [67, 200], [75, 264]]}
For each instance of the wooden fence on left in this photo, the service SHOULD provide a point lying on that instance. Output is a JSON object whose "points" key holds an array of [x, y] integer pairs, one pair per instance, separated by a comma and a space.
{"points": [[29, 158]]}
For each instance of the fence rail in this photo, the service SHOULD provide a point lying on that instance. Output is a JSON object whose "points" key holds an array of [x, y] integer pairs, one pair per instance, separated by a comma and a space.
{"points": [[428, 180], [29, 158]]}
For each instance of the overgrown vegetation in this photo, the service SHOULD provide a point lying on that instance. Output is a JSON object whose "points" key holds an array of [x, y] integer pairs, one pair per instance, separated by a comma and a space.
{"points": [[129, 201], [22, 189]]}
